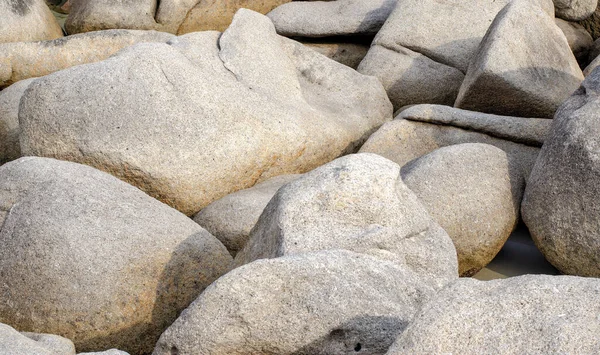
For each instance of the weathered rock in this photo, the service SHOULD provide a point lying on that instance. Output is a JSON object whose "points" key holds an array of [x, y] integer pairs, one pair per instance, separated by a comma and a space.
{"points": [[218, 14], [232, 217], [575, 10], [358, 203], [560, 206], [402, 140], [580, 41], [27, 20], [332, 302], [411, 78], [101, 263], [107, 352], [530, 131], [524, 66], [9, 120], [521, 315], [420, 61], [19, 61], [347, 53], [14, 343], [173, 16], [226, 111], [592, 24], [331, 18], [473, 193]]}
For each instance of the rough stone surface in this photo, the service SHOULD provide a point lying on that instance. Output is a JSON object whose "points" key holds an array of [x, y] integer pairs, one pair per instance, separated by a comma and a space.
{"points": [[560, 206], [411, 78], [217, 14], [211, 113], [27, 20], [107, 352], [350, 54], [576, 10], [530, 314], [332, 302], [101, 263], [359, 203], [580, 41], [9, 120], [14, 343], [524, 66], [231, 218], [592, 24], [402, 141], [420, 61], [331, 18], [530, 131], [473, 193], [19, 61]]}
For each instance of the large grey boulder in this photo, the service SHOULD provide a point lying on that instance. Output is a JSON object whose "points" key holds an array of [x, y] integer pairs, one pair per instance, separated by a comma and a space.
{"points": [[225, 112], [560, 206], [27, 20], [19, 61], [331, 18], [425, 46], [403, 140], [506, 78], [9, 120], [530, 314], [358, 203], [14, 343], [101, 263], [474, 193], [329, 302], [231, 218], [575, 10]]}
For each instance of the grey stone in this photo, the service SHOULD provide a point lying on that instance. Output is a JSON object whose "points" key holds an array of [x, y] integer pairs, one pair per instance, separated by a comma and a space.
{"points": [[331, 18], [560, 206], [529, 131], [592, 24], [580, 41], [506, 78], [27, 20], [231, 218], [358, 203], [402, 141], [575, 10], [474, 193], [206, 114], [101, 263], [107, 352], [522, 315], [347, 53], [411, 78], [329, 302], [9, 120], [19, 61], [14, 343]]}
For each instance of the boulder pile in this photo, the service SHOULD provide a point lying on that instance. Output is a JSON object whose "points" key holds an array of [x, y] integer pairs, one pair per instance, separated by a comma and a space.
{"points": [[299, 177]]}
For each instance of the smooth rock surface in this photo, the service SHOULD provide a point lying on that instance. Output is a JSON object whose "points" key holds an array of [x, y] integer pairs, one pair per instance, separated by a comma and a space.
{"points": [[580, 41], [358, 203], [231, 218], [530, 131], [19, 61], [474, 193], [27, 20], [332, 302], [101, 263], [560, 206], [224, 111], [530, 314], [575, 10], [524, 66], [331, 18], [9, 120], [14, 343], [402, 141]]}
